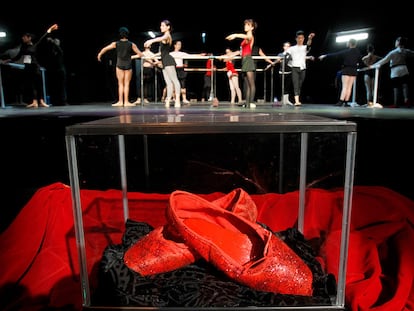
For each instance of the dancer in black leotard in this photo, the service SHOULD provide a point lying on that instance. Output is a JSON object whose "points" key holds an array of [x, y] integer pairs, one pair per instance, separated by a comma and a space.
{"points": [[124, 50], [168, 63]]}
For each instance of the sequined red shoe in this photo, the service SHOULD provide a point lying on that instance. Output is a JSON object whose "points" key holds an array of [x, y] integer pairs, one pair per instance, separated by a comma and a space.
{"points": [[163, 250], [243, 250], [158, 252]]}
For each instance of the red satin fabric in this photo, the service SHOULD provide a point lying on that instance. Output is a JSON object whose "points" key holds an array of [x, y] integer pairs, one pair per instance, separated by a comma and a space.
{"points": [[38, 250]]}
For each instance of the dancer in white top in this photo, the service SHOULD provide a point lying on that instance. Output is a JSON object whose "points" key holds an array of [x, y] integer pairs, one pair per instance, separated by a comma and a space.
{"points": [[299, 56], [181, 63]]}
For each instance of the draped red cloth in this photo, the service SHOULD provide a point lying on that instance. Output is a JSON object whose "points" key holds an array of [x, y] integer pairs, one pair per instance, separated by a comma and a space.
{"points": [[39, 250]]}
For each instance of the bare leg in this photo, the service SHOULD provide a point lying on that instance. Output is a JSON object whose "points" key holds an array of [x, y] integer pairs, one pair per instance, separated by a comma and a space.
{"points": [[184, 96], [127, 82], [120, 77]]}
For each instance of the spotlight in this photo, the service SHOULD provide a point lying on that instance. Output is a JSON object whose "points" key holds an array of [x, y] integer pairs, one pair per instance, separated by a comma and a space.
{"points": [[358, 34]]}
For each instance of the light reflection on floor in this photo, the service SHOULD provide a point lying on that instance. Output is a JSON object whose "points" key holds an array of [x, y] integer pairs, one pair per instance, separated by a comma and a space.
{"points": [[105, 109]]}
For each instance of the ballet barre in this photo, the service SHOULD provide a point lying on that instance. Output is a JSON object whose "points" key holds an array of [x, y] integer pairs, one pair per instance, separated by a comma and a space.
{"points": [[21, 67], [375, 91], [213, 69]]}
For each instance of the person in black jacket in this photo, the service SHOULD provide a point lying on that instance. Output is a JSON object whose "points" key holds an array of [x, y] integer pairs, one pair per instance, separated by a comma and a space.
{"points": [[56, 72], [32, 71], [351, 60]]}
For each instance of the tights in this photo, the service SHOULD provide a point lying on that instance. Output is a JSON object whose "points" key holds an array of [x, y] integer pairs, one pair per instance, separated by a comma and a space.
{"points": [[250, 86], [171, 81], [400, 86]]}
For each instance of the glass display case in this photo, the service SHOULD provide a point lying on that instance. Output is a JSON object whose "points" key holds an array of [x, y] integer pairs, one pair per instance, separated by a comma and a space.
{"points": [[143, 158]]}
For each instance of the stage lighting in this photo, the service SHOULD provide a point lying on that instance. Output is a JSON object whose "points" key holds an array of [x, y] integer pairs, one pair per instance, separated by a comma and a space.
{"points": [[344, 36], [3, 34]]}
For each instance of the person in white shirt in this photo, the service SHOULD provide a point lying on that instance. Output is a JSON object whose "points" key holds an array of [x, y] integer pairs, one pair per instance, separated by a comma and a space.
{"points": [[181, 62], [299, 56]]}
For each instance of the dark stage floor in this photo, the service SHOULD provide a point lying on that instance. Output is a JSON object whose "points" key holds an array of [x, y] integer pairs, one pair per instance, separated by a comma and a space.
{"points": [[34, 151], [98, 110]]}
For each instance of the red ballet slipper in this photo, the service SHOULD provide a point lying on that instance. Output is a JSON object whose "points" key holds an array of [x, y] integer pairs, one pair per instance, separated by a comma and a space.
{"points": [[158, 252], [238, 202], [162, 250], [245, 251]]}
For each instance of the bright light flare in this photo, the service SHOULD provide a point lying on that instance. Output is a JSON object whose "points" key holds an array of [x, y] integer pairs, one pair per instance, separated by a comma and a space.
{"points": [[346, 37]]}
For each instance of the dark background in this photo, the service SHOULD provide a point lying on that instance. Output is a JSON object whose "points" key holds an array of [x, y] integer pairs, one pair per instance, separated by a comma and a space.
{"points": [[84, 28], [36, 154]]}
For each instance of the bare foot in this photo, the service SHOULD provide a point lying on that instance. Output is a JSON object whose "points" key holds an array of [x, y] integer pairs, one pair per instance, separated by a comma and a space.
{"points": [[118, 104], [138, 101], [177, 103], [34, 104], [43, 104], [130, 104]]}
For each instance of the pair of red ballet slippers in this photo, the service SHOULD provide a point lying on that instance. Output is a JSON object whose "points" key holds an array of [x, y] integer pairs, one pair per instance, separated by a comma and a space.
{"points": [[224, 232], [164, 250]]}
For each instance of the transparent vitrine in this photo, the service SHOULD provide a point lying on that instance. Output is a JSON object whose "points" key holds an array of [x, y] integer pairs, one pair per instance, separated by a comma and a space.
{"points": [[135, 161]]}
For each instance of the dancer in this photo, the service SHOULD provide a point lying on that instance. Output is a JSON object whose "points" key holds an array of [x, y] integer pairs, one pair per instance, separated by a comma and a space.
{"points": [[399, 73], [233, 76], [207, 94], [168, 63], [369, 74], [285, 72], [248, 65], [125, 49], [56, 73], [181, 60], [32, 71], [150, 62], [351, 60], [299, 53]]}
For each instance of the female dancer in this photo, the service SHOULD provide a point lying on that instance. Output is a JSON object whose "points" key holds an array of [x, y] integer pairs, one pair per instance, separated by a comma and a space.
{"points": [[168, 63], [351, 60], [233, 76], [248, 66]]}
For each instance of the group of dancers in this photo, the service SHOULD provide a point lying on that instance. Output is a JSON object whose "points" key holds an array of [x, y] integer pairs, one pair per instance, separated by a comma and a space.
{"points": [[294, 58], [127, 50]]}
